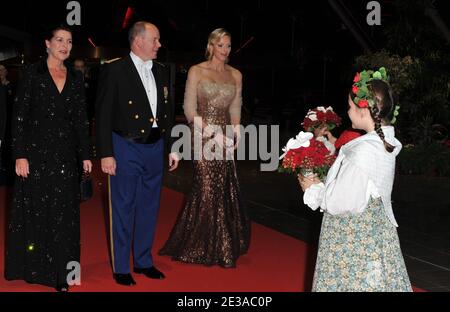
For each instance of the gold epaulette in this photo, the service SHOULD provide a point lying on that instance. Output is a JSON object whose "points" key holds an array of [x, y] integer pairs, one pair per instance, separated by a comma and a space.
{"points": [[159, 63], [112, 60]]}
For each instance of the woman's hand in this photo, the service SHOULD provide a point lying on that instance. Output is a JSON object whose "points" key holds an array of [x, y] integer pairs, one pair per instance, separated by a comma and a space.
{"points": [[22, 167], [225, 144], [87, 166], [306, 182], [223, 141], [237, 135], [330, 137]]}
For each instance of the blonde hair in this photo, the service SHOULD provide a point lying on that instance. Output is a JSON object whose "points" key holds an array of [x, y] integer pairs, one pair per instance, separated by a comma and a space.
{"points": [[215, 36]]}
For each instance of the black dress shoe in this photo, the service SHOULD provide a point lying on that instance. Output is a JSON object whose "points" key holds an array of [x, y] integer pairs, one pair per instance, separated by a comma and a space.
{"points": [[62, 287], [124, 279], [151, 272]]}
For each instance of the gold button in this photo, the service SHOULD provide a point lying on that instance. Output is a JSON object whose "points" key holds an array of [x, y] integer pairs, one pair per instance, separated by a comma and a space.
{"points": [[142, 131], [163, 130], [130, 102], [165, 116], [136, 117], [152, 120]]}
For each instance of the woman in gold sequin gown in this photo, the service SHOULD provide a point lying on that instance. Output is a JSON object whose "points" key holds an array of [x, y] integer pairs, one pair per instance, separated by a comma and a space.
{"points": [[213, 228]]}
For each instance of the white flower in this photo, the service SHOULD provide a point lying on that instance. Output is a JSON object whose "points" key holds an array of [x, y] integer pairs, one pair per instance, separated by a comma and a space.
{"points": [[301, 140], [312, 116], [321, 108]]}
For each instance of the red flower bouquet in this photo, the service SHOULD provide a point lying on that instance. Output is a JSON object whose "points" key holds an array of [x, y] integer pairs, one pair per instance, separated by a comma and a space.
{"points": [[305, 155], [321, 116]]}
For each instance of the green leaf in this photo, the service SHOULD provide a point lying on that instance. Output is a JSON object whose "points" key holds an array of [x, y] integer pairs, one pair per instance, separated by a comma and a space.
{"points": [[377, 75], [365, 75], [383, 72], [365, 89]]}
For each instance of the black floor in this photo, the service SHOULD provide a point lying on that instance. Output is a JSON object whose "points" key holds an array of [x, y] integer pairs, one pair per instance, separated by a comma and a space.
{"points": [[275, 200]]}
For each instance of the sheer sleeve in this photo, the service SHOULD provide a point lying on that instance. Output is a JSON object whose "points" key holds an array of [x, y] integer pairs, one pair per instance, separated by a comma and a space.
{"points": [[190, 95], [235, 107]]}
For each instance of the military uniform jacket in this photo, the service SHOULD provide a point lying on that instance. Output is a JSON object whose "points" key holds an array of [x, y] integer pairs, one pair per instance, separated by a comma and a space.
{"points": [[122, 105]]}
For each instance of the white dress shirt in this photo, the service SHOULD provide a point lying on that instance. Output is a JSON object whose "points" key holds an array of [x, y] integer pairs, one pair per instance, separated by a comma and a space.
{"points": [[148, 80], [362, 170]]}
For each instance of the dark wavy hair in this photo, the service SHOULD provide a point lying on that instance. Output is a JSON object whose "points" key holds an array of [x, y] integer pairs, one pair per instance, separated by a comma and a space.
{"points": [[51, 32], [383, 110]]}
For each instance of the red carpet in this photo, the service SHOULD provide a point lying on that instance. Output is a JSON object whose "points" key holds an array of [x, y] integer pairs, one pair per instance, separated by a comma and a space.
{"points": [[275, 262]]}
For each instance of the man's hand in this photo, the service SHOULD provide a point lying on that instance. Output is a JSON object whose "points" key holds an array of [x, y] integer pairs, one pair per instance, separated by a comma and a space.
{"points": [[173, 161], [109, 165]]}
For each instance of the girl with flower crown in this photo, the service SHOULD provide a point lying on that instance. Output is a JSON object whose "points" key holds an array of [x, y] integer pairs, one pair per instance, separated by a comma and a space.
{"points": [[359, 249]]}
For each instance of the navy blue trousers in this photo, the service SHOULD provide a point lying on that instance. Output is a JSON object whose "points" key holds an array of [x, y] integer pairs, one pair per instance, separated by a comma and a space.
{"points": [[134, 193]]}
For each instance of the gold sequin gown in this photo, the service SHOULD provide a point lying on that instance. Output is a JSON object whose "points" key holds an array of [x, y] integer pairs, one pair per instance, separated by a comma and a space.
{"points": [[213, 228]]}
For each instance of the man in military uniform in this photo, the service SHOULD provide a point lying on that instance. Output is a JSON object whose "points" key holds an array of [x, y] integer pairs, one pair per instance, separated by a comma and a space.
{"points": [[134, 117]]}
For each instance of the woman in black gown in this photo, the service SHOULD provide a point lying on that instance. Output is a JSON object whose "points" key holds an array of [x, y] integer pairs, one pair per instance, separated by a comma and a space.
{"points": [[50, 139]]}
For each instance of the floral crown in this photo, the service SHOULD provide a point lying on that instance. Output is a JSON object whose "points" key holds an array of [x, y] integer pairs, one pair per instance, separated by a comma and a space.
{"points": [[363, 96], [320, 116]]}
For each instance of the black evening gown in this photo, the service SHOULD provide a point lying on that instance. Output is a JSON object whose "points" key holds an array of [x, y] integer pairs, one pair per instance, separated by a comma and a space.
{"points": [[50, 129]]}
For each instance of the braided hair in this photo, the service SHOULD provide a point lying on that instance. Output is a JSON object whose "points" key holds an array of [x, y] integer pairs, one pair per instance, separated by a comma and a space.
{"points": [[383, 109]]}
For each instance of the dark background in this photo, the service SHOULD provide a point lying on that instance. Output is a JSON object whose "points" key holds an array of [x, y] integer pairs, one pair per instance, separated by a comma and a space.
{"points": [[294, 55]]}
